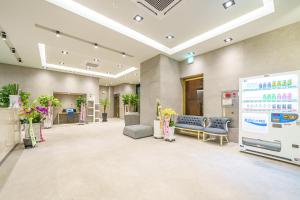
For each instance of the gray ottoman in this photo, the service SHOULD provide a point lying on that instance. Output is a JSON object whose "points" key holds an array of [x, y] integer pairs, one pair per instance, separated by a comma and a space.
{"points": [[138, 131]]}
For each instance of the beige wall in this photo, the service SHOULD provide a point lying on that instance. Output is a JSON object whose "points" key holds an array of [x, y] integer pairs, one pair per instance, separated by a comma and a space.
{"points": [[160, 79], [123, 89], [276, 51], [43, 82]]}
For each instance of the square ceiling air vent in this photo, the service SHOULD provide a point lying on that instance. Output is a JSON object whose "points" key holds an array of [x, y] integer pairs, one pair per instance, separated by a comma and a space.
{"points": [[158, 8]]}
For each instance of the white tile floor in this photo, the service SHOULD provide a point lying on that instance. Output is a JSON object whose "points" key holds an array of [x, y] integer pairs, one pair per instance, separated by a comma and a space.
{"points": [[96, 161]]}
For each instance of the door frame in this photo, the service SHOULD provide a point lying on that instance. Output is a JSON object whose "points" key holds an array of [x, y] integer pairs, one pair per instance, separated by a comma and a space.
{"points": [[183, 83]]}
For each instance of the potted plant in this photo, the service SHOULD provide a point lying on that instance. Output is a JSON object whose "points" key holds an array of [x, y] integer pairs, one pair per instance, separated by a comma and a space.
{"points": [[79, 101], [48, 102], [169, 124], [9, 96], [30, 114], [125, 100], [104, 103], [134, 101], [80, 104]]}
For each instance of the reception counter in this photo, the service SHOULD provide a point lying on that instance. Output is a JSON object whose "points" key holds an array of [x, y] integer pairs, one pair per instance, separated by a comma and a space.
{"points": [[9, 131]]}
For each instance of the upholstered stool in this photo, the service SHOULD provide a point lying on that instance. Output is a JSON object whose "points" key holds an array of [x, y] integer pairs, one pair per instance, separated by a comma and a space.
{"points": [[138, 131]]}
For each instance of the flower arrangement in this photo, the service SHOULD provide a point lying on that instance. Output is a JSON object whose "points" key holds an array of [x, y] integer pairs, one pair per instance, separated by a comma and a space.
{"points": [[169, 113], [47, 100]]}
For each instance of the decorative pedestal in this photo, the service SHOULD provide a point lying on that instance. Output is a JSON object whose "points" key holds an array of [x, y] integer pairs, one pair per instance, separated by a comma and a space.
{"points": [[158, 132]]}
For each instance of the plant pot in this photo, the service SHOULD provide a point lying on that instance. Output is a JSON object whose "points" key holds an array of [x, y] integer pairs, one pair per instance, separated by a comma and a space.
{"points": [[104, 117], [48, 122], [37, 131], [14, 101]]}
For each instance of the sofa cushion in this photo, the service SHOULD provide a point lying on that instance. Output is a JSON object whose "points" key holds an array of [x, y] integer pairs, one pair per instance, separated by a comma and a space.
{"points": [[138, 131], [189, 126], [191, 120], [215, 131], [218, 122]]}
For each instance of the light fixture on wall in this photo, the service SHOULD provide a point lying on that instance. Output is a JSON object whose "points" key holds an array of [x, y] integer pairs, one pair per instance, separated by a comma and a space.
{"points": [[3, 35], [227, 40], [57, 33], [228, 4], [138, 18], [169, 37]]}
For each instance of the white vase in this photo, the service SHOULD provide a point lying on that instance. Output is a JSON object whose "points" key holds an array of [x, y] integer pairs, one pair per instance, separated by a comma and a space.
{"points": [[14, 101], [158, 132], [36, 130], [48, 122], [171, 136]]}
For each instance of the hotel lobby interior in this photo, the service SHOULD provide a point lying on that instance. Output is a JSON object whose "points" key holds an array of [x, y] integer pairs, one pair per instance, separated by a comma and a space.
{"points": [[149, 99]]}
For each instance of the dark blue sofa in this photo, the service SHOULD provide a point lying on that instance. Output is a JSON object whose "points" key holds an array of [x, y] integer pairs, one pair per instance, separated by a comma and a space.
{"points": [[218, 126]]}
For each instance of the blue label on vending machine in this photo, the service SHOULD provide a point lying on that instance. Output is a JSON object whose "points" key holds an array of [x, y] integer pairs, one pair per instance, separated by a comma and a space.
{"points": [[283, 118]]}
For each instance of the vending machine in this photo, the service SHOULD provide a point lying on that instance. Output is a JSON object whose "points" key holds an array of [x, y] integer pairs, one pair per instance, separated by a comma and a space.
{"points": [[269, 116]]}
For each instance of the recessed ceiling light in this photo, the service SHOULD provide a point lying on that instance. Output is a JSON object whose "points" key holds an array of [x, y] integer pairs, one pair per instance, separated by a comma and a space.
{"points": [[61, 63], [20, 60], [170, 37], [228, 40], [96, 59], [96, 46], [228, 4], [123, 54], [138, 18], [57, 33], [64, 52], [3, 35], [13, 50]]}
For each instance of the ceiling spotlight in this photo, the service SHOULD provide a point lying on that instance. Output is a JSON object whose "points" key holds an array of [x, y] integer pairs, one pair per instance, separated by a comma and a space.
{"points": [[13, 50], [19, 60], [228, 4], [57, 33], [61, 63], [64, 52], [138, 18], [228, 40], [3, 35], [169, 37], [96, 46], [123, 54], [96, 59]]}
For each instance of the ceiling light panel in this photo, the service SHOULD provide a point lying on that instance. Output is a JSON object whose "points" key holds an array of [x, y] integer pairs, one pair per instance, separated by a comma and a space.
{"points": [[61, 67], [228, 4]]}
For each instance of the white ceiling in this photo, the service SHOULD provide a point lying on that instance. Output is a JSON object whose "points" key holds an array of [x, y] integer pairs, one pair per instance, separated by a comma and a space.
{"points": [[191, 18]]}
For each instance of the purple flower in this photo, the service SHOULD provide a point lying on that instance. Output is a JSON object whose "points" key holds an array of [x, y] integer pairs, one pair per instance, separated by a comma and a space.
{"points": [[42, 110]]}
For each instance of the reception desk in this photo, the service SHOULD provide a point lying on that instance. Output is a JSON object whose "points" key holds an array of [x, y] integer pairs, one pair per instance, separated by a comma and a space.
{"points": [[9, 131]]}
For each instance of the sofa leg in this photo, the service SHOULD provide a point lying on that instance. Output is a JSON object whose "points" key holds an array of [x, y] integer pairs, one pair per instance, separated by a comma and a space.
{"points": [[203, 137], [221, 140], [198, 135], [227, 139]]}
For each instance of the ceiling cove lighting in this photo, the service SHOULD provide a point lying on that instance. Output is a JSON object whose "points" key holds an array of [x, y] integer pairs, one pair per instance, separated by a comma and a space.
{"points": [[42, 51], [138, 18], [3, 35], [228, 4], [83, 11], [228, 40]]}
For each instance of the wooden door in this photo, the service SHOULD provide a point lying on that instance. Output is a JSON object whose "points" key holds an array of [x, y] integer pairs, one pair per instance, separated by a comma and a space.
{"points": [[117, 105], [194, 96]]}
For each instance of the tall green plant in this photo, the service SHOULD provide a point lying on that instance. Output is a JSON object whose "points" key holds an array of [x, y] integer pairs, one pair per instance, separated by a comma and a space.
{"points": [[25, 98], [47, 100], [126, 99], [10, 89], [80, 100], [104, 103], [134, 100]]}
